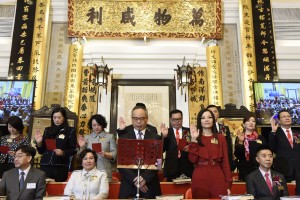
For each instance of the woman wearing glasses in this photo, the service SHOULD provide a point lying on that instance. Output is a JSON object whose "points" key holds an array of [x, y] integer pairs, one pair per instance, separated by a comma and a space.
{"points": [[13, 140], [88, 183], [108, 153]]}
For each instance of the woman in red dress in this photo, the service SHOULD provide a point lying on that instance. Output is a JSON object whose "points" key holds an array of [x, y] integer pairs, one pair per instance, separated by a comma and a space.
{"points": [[208, 151]]}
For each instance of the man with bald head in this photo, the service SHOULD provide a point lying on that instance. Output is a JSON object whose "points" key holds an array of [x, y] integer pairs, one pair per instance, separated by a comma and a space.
{"points": [[149, 181]]}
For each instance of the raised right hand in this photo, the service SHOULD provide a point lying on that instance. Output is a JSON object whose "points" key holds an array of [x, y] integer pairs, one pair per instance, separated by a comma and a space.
{"points": [[194, 133], [81, 141], [38, 136], [122, 123], [274, 125]]}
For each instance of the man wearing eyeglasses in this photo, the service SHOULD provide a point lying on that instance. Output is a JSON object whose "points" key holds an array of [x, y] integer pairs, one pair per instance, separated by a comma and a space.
{"points": [[176, 162], [149, 181], [24, 181]]}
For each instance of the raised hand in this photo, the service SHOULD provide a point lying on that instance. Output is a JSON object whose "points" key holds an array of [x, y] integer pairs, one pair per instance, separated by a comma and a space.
{"points": [[122, 123], [274, 125], [194, 133], [164, 130], [38, 136], [81, 141], [241, 136]]}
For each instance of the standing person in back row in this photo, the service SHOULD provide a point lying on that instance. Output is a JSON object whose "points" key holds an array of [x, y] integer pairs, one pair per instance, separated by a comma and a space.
{"points": [[176, 162], [224, 130], [285, 142], [149, 182], [123, 129], [56, 162]]}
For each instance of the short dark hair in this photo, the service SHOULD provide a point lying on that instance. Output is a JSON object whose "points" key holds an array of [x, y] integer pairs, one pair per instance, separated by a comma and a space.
{"points": [[262, 147], [140, 104], [16, 122], [283, 110], [175, 112], [212, 106], [86, 151], [99, 119], [28, 150], [139, 107]]}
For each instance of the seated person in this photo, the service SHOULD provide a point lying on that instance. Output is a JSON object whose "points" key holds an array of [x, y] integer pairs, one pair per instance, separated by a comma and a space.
{"points": [[265, 183], [23, 182], [123, 129], [88, 183]]}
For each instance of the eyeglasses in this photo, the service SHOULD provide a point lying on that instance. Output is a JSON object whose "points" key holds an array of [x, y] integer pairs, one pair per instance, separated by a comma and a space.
{"points": [[176, 119], [20, 156], [138, 119]]}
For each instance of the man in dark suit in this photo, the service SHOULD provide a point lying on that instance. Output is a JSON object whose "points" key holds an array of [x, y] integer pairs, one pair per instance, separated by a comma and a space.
{"points": [[123, 129], [264, 183], [224, 130], [285, 142], [149, 181], [176, 162], [24, 181]]}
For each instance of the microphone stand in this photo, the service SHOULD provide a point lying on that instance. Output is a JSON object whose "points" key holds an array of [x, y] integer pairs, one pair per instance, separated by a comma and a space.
{"points": [[139, 165]]}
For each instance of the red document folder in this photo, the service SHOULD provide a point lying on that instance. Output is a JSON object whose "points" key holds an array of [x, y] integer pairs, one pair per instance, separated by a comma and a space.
{"points": [[4, 149], [97, 147], [182, 143], [51, 144]]}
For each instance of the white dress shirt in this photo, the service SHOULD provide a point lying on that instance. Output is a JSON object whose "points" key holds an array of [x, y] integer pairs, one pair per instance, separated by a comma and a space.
{"points": [[93, 186], [25, 171], [180, 132]]}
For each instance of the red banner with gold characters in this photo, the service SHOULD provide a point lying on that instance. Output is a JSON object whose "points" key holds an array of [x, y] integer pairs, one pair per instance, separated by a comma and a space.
{"points": [[19, 63], [266, 66]]}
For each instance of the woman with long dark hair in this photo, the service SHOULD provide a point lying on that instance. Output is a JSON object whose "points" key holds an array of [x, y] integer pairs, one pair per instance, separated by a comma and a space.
{"points": [[208, 151], [56, 162], [246, 144]]}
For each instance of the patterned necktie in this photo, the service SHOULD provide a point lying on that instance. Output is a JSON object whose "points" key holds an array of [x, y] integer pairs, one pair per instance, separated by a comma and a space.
{"points": [[140, 135], [268, 182], [289, 136], [22, 180]]}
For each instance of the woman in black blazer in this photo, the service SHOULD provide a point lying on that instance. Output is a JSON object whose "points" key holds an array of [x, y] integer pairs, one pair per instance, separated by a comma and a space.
{"points": [[245, 147], [56, 162]]}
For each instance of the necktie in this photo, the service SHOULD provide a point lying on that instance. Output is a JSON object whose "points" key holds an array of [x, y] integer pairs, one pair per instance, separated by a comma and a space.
{"points": [[177, 140], [22, 180], [289, 136], [268, 182], [140, 135]]}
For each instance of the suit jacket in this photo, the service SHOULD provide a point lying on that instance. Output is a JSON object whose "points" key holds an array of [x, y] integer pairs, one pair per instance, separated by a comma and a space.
{"points": [[67, 143], [257, 186], [287, 158], [9, 185], [175, 166], [149, 128], [224, 130], [127, 187]]}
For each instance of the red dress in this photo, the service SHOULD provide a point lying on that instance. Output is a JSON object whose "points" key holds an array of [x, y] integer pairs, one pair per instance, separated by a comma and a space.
{"points": [[212, 175]]}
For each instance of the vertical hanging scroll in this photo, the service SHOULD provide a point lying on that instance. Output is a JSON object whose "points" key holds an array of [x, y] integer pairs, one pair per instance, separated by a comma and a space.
{"points": [[38, 55], [88, 99], [198, 94], [215, 95], [248, 52], [74, 77]]}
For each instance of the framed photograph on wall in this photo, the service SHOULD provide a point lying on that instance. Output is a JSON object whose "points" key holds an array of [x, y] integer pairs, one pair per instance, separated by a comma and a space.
{"points": [[159, 96]]}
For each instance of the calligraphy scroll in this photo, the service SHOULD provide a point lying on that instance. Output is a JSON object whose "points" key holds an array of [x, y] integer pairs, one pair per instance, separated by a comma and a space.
{"points": [[136, 19], [22, 40], [38, 55], [248, 52], [198, 94], [74, 77], [264, 41], [215, 95], [88, 99]]}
